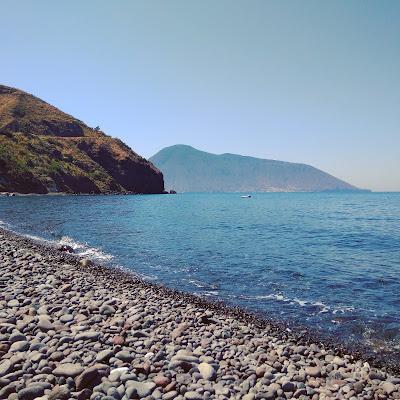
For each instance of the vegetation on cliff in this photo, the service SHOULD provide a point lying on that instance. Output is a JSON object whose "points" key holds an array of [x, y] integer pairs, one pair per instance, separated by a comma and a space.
{"points": [[44, 150]]}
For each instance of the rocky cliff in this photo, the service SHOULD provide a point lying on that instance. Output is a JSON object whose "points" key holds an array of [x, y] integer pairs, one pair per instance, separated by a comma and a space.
{"points": [[44, 150]]}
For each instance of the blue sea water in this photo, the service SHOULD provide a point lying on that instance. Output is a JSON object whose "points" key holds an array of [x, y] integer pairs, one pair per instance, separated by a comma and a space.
{"points": [[327, 261]]}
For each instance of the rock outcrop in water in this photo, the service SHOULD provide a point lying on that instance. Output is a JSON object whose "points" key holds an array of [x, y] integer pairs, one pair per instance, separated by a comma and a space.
{"points": [[44, 150], [186, 169]]}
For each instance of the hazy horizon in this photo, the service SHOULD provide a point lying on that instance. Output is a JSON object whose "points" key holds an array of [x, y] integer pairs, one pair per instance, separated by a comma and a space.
{"points": [[310, 82]]}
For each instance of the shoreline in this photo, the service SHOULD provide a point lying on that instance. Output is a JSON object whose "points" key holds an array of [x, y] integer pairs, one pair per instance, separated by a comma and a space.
{"points": [[317, 368]]}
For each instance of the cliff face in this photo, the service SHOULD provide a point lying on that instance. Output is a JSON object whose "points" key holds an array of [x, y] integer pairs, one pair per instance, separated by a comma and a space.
{"points": [[44, 150], [186, 169]]}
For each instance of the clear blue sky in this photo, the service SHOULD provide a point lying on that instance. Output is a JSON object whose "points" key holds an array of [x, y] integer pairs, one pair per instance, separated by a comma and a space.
{"points": [[306, 81]]}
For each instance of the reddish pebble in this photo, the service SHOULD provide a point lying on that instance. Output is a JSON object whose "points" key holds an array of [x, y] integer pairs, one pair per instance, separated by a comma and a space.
{"points": [[118, 340], [161, 380]]}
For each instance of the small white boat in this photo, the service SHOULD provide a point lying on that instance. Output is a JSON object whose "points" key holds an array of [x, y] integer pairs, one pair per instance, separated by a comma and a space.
{"points": [[247, 196]]}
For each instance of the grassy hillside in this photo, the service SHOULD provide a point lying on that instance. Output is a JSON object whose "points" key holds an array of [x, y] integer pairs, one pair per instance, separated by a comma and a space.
{"points": [[45, 150]]}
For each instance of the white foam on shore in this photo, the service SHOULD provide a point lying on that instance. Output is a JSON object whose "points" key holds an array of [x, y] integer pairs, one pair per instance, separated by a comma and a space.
{"points": [[207, 293], [202, 285], [324, 308], [4, 225], [80, 249], [84, 250], [208, 290]]}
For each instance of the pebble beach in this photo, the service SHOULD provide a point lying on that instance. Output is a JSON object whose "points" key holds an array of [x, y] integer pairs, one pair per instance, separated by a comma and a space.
{"points": [[70, 329]]}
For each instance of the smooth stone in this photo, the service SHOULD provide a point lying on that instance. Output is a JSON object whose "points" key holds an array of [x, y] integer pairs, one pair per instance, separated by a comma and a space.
{"points": [[88, 335], [7, 390], [66, 318], [5, 367], [260, 371], [121, 370], [338, 361], [193, 396], [68, 370], [44, 324], [104, 355], [22, 345], [170, 395], [388, 387], [143, 389], [31, 392], [358, 387], [288, 387], [118, 340], [16, 337], [178, 331], [315, 372], [124, 356], [91, 377], [185, 358], [376, 375], [107, 310], [56, 356], [161, 380], [13, 303], [267, 395], [207, 371], [59, 393]]}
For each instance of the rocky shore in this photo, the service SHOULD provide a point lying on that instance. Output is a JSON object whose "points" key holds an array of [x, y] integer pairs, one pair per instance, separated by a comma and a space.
{"points": [[73, 330]]}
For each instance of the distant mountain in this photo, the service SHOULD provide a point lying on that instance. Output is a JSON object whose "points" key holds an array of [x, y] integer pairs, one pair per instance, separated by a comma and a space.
{"points": [[44, 150], [187, 169]]}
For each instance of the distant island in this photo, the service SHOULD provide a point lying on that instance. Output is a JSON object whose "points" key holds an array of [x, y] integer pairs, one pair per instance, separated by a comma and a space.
{"points": [[187, 169], [44, 150]]}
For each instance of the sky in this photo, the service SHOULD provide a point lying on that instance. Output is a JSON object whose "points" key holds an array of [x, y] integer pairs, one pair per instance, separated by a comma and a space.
{"points": [[302, 81]]}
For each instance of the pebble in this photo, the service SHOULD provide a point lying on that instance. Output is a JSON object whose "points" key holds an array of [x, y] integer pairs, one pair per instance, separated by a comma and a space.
{"points": [[207, 371], [193, 396], [71, 330], [21, 345], [91, 377], [66, 318], [89, 335], [5, 367], [143, 389], [68, 370], [104, 355], [315, 372], [59, 393], [31, 392]]}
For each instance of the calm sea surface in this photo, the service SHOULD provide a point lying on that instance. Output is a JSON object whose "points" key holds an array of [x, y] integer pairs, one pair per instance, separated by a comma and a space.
{"points": [[327, 261]]}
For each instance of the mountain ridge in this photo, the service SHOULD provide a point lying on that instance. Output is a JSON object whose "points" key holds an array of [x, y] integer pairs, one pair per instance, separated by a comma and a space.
{"points": [[229, 172], [44, 150]]}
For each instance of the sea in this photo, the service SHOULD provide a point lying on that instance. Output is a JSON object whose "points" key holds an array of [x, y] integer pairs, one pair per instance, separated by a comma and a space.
{"points": [[328, 262]]}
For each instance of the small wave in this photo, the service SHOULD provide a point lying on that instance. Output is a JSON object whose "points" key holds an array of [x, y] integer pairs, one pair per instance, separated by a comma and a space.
{"points": [[300, 302], [135, 273], [146, 277], [81, 249], [343, 310], [207, 293], [4, 224], [201, 285], [324, 308], [84, 250]]}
